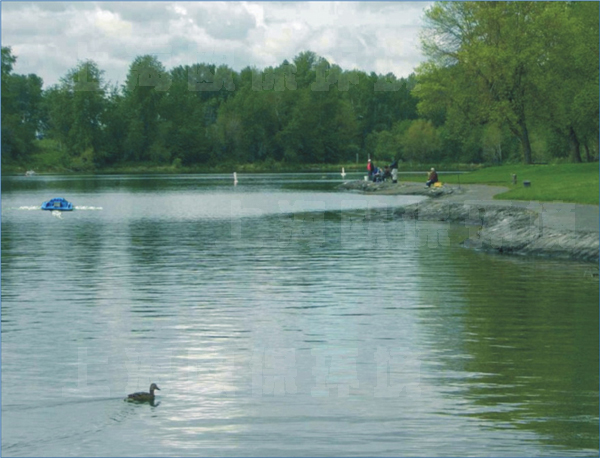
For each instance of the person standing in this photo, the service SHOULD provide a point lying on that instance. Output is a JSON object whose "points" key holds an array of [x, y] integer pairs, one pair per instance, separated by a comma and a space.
{"points": [[370, 169], [394, 167]]}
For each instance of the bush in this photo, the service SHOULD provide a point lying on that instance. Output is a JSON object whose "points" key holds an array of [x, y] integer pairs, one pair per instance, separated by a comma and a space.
{"points": [[84, 162]]}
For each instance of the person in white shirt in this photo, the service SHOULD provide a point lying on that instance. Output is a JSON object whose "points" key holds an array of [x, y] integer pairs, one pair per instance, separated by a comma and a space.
{"points": [[394, 167]]}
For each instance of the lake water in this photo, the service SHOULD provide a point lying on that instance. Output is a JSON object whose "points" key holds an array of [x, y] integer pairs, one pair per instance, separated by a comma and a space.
{"points": [[280, 317]]}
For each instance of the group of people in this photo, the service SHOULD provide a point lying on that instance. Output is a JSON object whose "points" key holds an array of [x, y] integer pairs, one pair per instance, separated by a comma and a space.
{"points": [[378, 175]]}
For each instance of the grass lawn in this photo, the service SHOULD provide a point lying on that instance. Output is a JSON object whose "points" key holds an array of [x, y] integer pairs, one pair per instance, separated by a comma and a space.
{"points": [[556, 182]]}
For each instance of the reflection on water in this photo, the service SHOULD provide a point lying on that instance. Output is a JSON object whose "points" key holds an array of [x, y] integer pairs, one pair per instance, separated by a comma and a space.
{"points": [[521, 343], [280, 320]]}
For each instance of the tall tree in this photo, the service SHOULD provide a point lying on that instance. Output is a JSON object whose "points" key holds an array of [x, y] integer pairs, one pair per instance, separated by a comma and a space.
{"points": [[115, 122], [146, 85], [569, 82], [182, 109], [76, 108], [21, 110], [497, 48], [420, 141]]}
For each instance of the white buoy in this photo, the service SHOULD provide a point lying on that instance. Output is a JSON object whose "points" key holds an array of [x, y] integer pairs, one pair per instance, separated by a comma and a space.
{"points": [[343, 172], [235, 180]]}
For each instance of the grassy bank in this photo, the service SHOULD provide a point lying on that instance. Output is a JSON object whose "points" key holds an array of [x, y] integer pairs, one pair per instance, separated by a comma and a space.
{"points": [[576, 183]]}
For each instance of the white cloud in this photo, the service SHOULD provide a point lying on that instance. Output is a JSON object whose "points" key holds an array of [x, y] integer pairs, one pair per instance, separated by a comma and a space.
{"points": [[49, 38], [257, 11], [111, 24]]}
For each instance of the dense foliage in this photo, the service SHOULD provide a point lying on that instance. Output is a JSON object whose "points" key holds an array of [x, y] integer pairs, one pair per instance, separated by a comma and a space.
{"points": [[526, 70], [502, 81], [21, 110], [308, 111]]}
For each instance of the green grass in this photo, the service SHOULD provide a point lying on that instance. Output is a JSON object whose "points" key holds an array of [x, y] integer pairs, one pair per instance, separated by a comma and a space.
{"points": [[576, 183]]}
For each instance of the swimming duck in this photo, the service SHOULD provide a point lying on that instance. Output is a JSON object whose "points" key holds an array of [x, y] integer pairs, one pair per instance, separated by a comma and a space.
{"points": [[142, 396]]}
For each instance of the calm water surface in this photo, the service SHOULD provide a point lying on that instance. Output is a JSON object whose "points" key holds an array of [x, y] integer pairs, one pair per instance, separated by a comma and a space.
{"points": [[280, 317]]}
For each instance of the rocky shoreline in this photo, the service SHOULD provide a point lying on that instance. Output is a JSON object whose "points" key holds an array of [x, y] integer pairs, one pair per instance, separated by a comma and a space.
{"points": [[497, 227], [405, 189]]}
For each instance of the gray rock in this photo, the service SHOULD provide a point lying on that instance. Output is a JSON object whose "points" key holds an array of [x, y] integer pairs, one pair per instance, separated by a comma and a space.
{"points": [[506, 229]]}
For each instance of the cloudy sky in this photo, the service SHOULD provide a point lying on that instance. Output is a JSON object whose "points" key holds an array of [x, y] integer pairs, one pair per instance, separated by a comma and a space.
{"points": [[49, 38]]}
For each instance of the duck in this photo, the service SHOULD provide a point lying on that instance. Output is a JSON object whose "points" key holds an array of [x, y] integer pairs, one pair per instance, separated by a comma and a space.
{"points": [[142, 396]]}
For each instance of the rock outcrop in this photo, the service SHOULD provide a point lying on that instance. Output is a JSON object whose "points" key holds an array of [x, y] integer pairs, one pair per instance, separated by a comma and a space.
{"points": [[500, 228]]}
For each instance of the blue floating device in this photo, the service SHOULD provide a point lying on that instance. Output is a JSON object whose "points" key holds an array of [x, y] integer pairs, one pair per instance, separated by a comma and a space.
{"points": [[58, 203]]}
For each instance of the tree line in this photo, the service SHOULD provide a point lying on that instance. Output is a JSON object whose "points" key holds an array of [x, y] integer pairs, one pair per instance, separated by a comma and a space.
{"points": [[501, 81]]}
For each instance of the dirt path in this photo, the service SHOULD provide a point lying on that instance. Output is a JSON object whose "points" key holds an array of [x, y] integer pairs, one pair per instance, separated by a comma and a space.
{"points": [[554, 229], [555, 215]]}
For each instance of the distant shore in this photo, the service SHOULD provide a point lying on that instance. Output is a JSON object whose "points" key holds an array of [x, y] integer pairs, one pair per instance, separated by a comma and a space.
{"points": [[555, 230]]}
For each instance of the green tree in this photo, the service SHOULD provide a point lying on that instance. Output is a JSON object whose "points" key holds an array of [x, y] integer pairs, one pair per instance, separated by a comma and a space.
{"points": [[421, 141], [184, 128], [21, 110], [497, 49], [569, 85], [146, 85], [115, 123], [76, 107], [305, 68]]}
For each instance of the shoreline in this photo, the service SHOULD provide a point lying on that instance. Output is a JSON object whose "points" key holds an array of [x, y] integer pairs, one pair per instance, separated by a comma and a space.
{"points": [[553, 230]]}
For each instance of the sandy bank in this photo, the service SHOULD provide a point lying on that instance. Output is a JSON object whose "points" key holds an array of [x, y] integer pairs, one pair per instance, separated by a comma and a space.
{"points": [[557, 230]]}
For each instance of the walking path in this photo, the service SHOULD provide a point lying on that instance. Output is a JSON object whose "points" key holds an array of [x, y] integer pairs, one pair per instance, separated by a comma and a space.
{"points": [[555, 215], [555, 229]]}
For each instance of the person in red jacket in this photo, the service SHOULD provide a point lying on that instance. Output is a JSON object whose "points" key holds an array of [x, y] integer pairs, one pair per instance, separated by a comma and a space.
{"points": [[371, 169], [432, 177]]}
